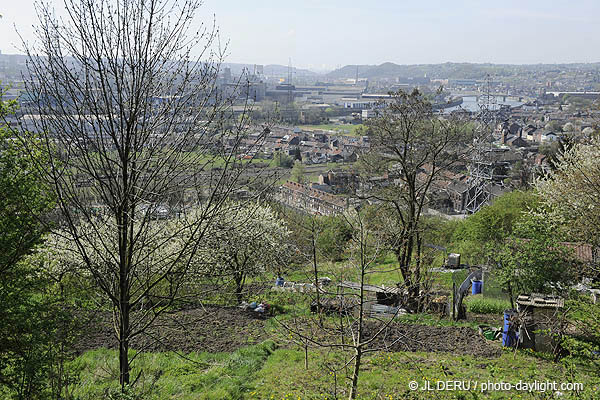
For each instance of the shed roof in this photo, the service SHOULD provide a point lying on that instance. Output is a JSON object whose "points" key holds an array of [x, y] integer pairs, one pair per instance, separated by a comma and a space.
{"points": [[370, 288], [541, 301]]}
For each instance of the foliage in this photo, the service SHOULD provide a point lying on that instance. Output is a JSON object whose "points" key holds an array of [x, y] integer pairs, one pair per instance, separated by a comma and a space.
{"points": [[283, 160], [25, 345], [495, 222], [585, 317], [32, 312], [440, 231], [571, 190], [334, 237], [24, 197], [555, 126], [520, 175], [246, 241], [297, 154], [39, 328], [331, 236], [538, 264], [549, 149], [477, 235], [298, 172]]}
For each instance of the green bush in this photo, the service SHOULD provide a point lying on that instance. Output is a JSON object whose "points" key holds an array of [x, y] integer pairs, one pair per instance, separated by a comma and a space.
{"points": [[284, 302]]}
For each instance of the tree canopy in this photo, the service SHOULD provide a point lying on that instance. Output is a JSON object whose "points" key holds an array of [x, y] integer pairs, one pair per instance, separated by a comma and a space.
{"points": [[571, 190], [410, 150], [24, 197], [28, 309], [246, 241]]}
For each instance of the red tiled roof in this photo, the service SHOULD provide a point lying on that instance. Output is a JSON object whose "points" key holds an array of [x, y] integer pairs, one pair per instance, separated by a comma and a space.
{"points": [[319, 194]]}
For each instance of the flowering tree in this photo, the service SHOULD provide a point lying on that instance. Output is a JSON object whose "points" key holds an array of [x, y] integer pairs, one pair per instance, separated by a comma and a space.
{"points": [[246, 241], [570, 193], [572, 190]]}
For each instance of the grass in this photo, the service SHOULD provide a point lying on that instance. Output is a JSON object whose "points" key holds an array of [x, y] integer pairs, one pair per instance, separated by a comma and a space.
{"points": [[385, 272], [486, 305], [169, 376], [387, 375], [266, 372]]}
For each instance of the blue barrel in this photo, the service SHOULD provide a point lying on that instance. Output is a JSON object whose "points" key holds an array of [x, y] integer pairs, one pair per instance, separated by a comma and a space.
{"points": [[509, 332], [279, 281], [476, 287]]}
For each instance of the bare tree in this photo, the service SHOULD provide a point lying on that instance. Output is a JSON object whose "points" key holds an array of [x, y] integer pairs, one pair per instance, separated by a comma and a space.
{"points": [[411, 149], [354, 331], [142, 149]]}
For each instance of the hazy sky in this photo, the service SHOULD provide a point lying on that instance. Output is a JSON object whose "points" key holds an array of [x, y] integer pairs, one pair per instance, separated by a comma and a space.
{"points": [[329, 33]]}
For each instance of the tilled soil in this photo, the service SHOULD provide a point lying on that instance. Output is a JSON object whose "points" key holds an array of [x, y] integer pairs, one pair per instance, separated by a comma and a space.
{"points": [[226, 329], [211, 328], [450, 339], [486, 319]]}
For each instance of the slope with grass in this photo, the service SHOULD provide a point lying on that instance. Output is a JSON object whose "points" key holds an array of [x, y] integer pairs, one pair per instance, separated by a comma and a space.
{"points": [[266, 372]]}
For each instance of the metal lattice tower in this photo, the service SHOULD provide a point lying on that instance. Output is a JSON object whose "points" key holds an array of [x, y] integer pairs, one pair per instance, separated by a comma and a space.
{"points": [[288, 109], [290, 94], [482, 168]]}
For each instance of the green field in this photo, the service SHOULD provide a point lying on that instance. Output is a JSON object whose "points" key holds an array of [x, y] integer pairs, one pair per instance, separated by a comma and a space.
{"points": [[346, 129], [271, 371]]}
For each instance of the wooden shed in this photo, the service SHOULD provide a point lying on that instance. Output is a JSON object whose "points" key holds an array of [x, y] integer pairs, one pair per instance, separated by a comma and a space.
{"points": [[539, 317]]}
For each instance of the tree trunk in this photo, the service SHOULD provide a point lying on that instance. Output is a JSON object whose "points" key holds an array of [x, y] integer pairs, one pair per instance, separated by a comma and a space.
{"points": [[316, 274], [124, 344], [417, 274], [124, 308], [306, 355], [239, 288], [358, 346], [357, 362], [124, 225]]}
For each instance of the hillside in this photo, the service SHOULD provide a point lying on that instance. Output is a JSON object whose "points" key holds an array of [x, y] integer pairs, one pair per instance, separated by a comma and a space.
{"points": [[271, 69], [451, 70]]}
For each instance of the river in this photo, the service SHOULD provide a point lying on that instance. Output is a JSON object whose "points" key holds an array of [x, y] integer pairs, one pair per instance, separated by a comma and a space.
{"points": [[470, 104]]}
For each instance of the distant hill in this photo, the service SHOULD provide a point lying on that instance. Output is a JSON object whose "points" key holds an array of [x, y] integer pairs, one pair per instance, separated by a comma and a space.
{"points": [[274, 69], [450, 70], [18, 61], [271, 69]]}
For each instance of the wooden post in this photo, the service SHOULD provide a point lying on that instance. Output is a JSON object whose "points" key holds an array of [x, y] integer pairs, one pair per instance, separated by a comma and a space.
{"points": [[482, 281], [454, 300]]}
